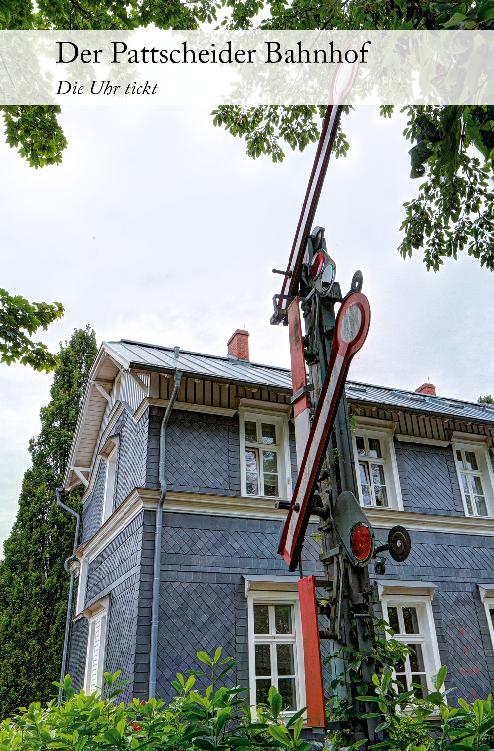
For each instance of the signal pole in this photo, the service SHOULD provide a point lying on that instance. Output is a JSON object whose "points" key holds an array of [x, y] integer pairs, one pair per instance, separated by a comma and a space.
{"points": [[326, 484]]}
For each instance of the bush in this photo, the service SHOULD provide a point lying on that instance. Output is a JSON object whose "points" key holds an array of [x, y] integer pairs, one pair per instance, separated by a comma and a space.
{"points": [[214, 719], [218, 719]]}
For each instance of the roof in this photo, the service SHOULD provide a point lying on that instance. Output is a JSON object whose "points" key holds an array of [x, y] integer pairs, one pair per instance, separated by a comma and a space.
{"points": [[411, 400], [149, 356]]}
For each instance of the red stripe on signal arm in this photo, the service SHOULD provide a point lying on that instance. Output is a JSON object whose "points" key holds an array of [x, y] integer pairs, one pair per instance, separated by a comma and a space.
{"points": [[297, 360], [314, 691]]}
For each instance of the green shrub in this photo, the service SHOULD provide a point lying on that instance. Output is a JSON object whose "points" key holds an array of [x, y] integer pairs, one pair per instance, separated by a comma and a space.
{"points": [[215, 719]]}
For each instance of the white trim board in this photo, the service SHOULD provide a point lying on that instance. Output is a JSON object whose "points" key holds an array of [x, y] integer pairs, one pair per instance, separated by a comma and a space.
{"points": [[460, 525]]}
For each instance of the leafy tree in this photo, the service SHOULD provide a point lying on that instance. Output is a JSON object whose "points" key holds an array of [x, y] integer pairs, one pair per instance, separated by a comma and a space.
{"points": [[485, 399], [33, 583], [453, 147], [19, 319]]}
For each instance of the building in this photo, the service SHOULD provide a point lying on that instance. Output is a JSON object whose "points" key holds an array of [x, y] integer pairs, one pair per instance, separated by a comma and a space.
{"points": [[228, 449]]}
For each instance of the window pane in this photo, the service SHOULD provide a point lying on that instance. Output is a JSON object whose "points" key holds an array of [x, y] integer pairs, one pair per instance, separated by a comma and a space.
{"points": [[411, 621], [286, 687], [251, 472], [375, 448], [381, 495], [262, 690], [283, 619], [271, 486], [365, 483], [416, 658], [268, 433], [263, 659], [420, 689], [261, 619], [360, 445], [269, 461], [378, 474], [471, 460], [250, 431], [393, 619], [477, 484], [399, 667], [284, 655], [468, 501], [460, 459], [481, 505]]}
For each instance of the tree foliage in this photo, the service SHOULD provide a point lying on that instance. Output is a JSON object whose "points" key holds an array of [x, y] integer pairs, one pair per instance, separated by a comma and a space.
{"points": [[453, 147], [33, 583], [19, 319]]}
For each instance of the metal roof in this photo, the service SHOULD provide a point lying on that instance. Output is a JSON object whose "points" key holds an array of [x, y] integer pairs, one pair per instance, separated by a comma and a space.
{"points": [[138, 355], [148, 356], [411, 400]]}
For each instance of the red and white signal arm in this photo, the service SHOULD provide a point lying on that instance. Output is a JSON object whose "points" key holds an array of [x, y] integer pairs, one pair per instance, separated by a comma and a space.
{"points": [[351, 328]]}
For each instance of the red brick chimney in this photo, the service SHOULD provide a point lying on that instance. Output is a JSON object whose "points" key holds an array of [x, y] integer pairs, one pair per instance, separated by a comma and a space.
{"points": [[238, 345], [427, 388]]}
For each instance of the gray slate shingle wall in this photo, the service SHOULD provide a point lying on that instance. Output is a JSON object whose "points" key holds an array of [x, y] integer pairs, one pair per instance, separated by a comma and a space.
{"points": [[202, 592], [117, 572], [76, 663], [456, 564], [202, 452], [93, 505], [132, 454], [428, 479]]}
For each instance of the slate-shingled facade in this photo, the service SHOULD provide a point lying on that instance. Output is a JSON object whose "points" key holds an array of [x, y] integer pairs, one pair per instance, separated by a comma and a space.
{"points": [[423, 461]]}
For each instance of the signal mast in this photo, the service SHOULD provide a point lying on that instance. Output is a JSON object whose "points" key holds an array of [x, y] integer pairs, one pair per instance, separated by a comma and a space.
{"points": [[326, 485]]}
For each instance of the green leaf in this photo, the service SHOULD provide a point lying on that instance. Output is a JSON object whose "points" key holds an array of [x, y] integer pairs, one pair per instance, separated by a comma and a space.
{"points": [[217, 654], [441, 677], [205, 658]]}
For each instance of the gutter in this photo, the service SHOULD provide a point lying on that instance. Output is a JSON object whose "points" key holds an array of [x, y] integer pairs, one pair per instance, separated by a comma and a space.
{"points": [[153, 653], [77, 518]]}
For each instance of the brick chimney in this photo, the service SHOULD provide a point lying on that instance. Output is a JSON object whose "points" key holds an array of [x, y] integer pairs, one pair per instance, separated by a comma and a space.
{"points": [[427, 388], [238, 345]]}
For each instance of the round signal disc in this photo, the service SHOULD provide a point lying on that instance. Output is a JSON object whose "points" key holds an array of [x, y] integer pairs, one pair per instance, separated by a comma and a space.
{"points": [[361, 542]]}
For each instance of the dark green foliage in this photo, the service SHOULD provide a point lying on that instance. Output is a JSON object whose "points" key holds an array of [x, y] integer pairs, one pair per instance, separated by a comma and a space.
{"points": [[19, 319], [488, 399], [216, 719], [33, 583]]}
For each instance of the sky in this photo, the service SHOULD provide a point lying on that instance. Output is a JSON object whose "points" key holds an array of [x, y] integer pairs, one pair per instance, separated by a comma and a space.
{"points": [[157, 227]]}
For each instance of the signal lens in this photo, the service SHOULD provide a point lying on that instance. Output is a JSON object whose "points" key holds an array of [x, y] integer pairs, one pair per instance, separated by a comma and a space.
{"points": [[361, 542], [317, 265]]}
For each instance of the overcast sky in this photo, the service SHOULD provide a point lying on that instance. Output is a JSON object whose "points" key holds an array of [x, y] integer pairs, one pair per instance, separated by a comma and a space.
{"points": [[158, 227]]}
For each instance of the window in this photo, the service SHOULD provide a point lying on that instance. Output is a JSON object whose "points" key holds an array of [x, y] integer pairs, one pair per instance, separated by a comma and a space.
{"points": [[412, 621], [96, 648], [472, 465], [275, 651], [111, 470], [265, 455], [377, 472]]}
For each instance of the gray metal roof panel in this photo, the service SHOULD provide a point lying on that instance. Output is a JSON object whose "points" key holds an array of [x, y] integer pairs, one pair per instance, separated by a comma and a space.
{"points": [[195, 363], [229, 369]]}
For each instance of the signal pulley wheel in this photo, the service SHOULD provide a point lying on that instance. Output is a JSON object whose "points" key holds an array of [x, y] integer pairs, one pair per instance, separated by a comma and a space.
{"points": [[399, 543]]}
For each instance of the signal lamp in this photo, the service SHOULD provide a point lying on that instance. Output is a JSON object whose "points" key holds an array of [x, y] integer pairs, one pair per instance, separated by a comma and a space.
{"points": [[361, 542]]}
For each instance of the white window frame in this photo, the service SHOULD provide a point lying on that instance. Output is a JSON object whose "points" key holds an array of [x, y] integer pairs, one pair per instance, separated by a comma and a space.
{"points": [[391, 475], [273, 597], [282, 451], [81, 586], [427, 637], [110, 459], [484, 472], [489, 606], [97, 620]]}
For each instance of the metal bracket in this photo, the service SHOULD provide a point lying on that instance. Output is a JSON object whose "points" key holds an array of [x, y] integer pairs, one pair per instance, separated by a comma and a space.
{"points": [[280, 314], [304, 390]]}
